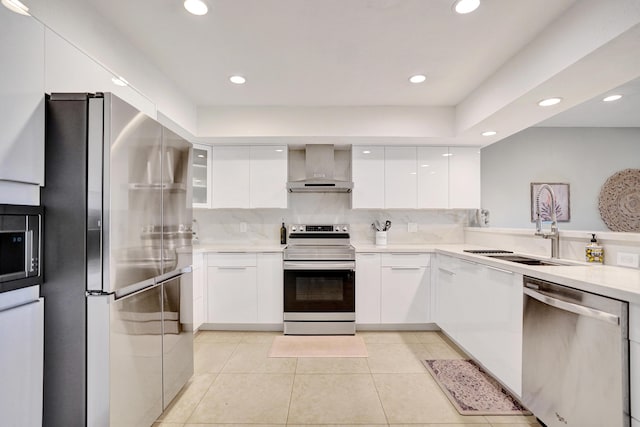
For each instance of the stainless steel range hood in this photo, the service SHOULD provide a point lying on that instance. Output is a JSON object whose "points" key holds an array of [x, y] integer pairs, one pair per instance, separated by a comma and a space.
{"points": [[320, 172]]}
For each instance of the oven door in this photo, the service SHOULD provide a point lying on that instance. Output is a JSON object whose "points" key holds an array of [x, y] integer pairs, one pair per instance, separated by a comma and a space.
{"points": [[319, 287]]}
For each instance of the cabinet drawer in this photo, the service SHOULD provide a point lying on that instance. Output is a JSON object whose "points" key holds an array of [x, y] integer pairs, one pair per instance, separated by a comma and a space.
{"points": [[405, 260], [231, 259]]}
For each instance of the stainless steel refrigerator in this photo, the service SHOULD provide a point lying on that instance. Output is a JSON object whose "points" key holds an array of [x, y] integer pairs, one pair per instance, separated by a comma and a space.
{"points": [[117, 263]]}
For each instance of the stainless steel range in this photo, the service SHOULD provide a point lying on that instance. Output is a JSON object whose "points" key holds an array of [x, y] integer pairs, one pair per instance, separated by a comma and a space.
{"points": [[319, 281]]}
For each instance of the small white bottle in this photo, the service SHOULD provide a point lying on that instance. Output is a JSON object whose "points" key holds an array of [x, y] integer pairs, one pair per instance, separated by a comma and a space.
{"points": [[594, 252]]}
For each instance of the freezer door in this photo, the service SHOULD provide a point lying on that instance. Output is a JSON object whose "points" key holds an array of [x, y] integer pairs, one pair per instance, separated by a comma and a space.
{"points": [[176, 200], [177, 337], [132, 203], [124, 378]]}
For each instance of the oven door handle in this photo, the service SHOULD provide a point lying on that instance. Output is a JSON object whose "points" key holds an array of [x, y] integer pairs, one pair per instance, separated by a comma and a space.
{"points": [[319, 265]]}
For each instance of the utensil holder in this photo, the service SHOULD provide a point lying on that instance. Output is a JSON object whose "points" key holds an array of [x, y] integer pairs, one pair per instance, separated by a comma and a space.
{"points": [[381, 238]]}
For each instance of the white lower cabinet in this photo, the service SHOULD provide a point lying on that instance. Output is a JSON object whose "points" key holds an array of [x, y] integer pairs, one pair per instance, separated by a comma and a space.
{"points": [[233, 294], [634, 362], [368, 288], [405, 288], [634, 376], [392, 288], [270, 288], [244, 288], [199, 283], [446, 298], [21, 362], [480, 307]]}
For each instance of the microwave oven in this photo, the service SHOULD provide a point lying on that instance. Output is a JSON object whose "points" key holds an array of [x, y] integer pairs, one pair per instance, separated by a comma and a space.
{"points": [[20, 246]]}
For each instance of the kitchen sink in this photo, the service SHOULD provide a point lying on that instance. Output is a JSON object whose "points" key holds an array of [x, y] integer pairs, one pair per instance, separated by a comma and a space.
{"points": [[520, 259]]}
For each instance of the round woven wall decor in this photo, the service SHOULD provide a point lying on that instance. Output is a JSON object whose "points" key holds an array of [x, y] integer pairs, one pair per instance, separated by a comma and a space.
{"points": [[619, 201]]}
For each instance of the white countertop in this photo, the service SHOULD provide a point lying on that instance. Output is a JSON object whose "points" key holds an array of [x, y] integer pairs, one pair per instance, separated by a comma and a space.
{"points": [[406, 248], [615, 282], [237, 247]]}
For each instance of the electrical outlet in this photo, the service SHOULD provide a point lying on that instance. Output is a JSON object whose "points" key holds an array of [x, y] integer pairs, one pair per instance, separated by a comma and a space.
{"points": [[412, 227], [243, 227], [626, 259]]}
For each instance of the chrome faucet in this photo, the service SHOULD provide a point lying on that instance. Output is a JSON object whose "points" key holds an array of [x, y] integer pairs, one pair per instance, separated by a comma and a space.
{"points": [[554, 235]]}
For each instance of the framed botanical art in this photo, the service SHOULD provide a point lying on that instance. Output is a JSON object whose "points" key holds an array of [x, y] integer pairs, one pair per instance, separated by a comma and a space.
{"points": [[563, 207]]}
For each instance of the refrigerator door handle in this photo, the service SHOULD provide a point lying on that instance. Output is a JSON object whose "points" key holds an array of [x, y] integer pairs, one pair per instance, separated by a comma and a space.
{"points": [[173, 274], [135, 288]]}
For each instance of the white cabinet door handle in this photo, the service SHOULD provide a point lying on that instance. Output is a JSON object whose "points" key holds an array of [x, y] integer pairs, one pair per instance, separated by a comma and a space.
{"points": [[499, 269]]}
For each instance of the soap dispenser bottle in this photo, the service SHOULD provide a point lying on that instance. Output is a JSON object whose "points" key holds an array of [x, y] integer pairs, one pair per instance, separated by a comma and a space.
{"points": [[594, 252], [283, 234]]}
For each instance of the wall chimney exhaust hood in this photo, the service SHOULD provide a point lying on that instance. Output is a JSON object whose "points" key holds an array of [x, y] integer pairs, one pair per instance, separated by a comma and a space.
{"points": [[319, 172]]}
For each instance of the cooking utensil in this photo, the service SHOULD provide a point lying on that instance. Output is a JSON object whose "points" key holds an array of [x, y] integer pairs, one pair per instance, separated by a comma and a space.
{"points": [[387, 225], [378, 226]]}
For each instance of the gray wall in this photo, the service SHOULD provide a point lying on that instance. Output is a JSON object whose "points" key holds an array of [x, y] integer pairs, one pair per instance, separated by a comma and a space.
{"points": [[582, 157]]}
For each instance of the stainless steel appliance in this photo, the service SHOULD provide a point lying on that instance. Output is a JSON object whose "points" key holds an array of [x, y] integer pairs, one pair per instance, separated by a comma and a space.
{"points": [[117, 260], [575, 356], [319, 281], [320, 176], [20, 229]]}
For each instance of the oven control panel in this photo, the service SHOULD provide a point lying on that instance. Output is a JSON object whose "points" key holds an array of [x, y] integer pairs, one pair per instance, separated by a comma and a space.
{"points": [[324, 229]]}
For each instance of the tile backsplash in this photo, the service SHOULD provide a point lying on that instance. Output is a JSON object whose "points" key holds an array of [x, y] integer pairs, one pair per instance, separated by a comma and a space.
{"points": [[263, 225]]}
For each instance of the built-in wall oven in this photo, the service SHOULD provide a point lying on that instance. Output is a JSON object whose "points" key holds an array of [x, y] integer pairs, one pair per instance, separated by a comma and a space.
{"points": [[319, 281], [20, 230]]}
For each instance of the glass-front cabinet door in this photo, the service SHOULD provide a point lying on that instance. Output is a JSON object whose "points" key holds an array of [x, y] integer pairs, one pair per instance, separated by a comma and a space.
{"points": [[202, 176]]}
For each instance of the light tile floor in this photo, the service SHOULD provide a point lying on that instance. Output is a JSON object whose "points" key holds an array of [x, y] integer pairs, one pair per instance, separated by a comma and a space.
{"points": [[237, 384]]}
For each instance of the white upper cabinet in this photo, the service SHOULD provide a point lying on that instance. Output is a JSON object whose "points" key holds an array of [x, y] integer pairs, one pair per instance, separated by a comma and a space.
{"points": [[368, 177], [202, 176], [268, 180], [464, 177], [400, 177], [424, 177], [433, 177], [249, 176], [231, 181], [21, 98]]}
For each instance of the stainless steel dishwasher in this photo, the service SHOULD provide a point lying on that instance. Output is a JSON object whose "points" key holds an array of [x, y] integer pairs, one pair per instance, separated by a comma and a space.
{"points": [[575, 356]]}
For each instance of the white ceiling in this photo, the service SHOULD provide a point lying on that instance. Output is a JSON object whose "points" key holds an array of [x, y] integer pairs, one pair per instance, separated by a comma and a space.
{"points": [[595, 113], [330, 52]]}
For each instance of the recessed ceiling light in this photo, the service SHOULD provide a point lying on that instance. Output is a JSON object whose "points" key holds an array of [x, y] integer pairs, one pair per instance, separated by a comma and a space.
{"points": [[424, 166], [196, 7], [366, 152], [239, 80], [418, 78], [119, 81], [489, 133], [465, 6], [16, 6], [549, 102], [611, 98], [279, 150], [413, 173], [201, 156], [447, 155]]}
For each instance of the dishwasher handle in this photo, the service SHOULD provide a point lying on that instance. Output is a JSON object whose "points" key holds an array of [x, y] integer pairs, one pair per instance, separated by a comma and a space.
{"points": [[573, 308]]}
